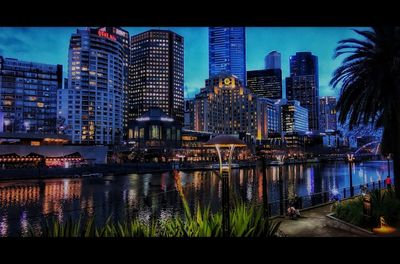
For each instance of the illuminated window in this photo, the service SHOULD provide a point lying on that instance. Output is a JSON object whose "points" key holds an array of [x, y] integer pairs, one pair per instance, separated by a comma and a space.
{"points": [[141, 132], [35, 143]]}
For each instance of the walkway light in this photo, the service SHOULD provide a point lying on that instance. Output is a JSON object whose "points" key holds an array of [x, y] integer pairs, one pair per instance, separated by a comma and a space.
{"points": [[351, 158], [230, 142]]}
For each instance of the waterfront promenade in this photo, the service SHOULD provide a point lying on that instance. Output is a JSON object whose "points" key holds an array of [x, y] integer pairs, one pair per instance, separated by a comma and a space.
{"points": [[312, 223]]}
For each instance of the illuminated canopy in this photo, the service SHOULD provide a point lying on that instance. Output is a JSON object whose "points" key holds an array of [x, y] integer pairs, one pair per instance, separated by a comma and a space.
{"points": [[225, 141]]}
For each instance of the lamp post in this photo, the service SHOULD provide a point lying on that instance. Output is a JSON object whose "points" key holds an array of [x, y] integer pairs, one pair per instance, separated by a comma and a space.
{"points": [[351, 158], [388, 163], [229, 142]]}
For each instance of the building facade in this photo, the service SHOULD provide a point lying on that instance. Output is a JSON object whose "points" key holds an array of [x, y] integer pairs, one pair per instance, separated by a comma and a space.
{"points": [[273, 60], [227, 52], [224, 106], [268, 117], [28, 92], [156, 74], [189, 114], [327, 113], [1, 122], [294, 117], [155, 130], [93, 103], [303, 85], [265, 83], [122, 36]]}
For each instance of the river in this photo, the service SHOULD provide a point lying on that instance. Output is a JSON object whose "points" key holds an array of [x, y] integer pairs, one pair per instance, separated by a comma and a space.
{"points": [[25, 204]]}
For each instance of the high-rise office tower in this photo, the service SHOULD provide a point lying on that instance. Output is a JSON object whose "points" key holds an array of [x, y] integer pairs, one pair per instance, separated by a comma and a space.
{"points": [[156, 74], [265, 83], [227, 52], [303, 85], [28, 92], [327, 113], [273, 60], [294, 118], [189, 114], [93, 103]]}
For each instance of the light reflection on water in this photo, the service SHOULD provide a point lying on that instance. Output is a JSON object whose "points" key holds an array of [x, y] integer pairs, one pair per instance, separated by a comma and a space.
{"points": [[148, 196]]}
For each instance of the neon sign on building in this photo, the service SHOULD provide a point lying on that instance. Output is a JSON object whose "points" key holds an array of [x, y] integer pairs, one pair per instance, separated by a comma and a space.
{"points": [[106, 35]]}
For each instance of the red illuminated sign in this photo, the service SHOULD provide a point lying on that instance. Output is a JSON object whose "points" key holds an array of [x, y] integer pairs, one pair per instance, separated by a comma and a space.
{"points": [[106, 35]]}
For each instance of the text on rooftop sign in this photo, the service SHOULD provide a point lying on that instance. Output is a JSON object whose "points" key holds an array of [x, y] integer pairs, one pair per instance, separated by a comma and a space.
{"points": [[106, 35]]}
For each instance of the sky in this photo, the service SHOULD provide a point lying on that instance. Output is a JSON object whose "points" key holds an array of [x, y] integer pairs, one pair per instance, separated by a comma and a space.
{"points": [[50, 45]]}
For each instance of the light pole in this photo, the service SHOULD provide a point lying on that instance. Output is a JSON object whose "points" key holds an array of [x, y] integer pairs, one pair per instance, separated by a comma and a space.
{"points": [[351, 158], [229, 142], [388, 163]]}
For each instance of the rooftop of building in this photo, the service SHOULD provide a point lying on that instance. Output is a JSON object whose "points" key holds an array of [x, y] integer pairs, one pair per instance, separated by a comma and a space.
{"points": [[155, 114]]}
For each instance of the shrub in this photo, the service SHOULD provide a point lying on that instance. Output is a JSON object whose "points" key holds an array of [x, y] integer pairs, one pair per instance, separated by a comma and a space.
{"points": [[351, 211]]}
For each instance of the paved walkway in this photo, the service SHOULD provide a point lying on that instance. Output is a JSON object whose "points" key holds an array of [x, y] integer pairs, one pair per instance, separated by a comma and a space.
{"points": [[312, 224]]}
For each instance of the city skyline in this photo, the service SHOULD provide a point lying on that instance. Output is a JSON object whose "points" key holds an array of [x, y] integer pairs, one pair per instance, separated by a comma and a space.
{"points": [[50, 45]]}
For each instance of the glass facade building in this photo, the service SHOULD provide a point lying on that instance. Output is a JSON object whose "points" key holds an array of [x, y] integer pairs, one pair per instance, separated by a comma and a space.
{"points": [[28, 92], [189, 114], [93, 103], [265, 83], [273, 60], [303, 85], [327, 113], [294, 117], [227, 52], [156, 74], [155, 130]]}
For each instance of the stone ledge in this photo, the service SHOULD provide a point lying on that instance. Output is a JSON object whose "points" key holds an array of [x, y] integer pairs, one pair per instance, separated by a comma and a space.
{"points": [[340, 224]]}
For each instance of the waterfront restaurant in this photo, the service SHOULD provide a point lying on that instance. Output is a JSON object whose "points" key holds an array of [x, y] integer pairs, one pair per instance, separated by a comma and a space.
{"points": [[52, 150], [155, 132]]}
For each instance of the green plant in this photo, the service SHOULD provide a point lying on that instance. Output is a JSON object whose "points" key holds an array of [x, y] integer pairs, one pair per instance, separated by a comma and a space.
{"points": [[384, 203], [351, 211]]}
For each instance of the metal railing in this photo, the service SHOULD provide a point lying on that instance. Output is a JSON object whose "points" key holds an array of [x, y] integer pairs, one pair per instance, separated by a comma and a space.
{"points": [[279, 207]]}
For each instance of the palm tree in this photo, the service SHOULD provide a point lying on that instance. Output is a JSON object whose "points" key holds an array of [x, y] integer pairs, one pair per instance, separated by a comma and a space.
{"points": [[370, 86]]}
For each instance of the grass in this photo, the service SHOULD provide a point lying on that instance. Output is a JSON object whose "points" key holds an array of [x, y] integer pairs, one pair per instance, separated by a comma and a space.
{"points": [[246, 220]]}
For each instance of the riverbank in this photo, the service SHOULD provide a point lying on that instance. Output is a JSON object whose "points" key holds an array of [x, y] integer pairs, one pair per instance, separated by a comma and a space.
{"points": [[111, 169], [121, 169]]}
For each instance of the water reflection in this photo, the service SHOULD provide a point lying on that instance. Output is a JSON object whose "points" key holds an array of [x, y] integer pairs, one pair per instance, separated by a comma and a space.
{"points": [[153, 196]]}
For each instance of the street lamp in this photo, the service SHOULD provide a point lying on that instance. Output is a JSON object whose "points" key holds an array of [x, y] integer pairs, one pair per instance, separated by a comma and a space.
{"points": [[351, 158], [388, 163], [230, 142]]}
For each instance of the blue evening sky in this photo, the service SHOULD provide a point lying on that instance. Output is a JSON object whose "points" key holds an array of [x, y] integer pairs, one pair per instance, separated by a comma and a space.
{"points": [[50, 45]]}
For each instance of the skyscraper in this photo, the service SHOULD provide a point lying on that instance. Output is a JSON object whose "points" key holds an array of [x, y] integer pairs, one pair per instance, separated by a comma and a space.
{"points": [[93, 103], [303, 85], [265, 83], [122, 36], [227, 52], [273, 60], [156, 74], [28, 92], [327, 113], [294, 118], [189, 114]]}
